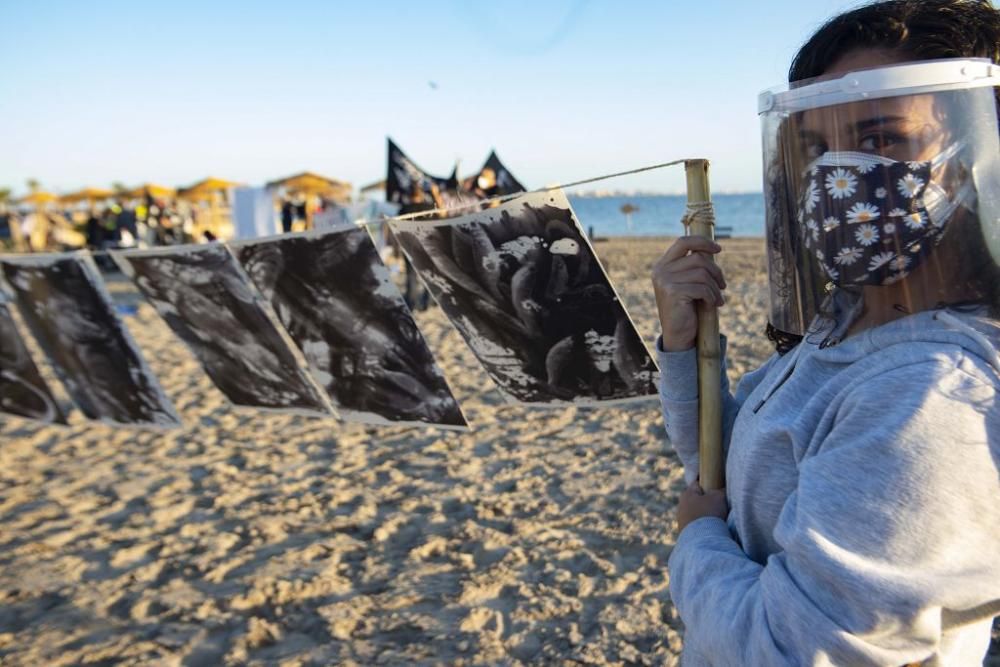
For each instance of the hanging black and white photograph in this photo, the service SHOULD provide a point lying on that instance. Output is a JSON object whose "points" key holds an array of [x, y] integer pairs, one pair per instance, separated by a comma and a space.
{"points": [[23, 392], [523, 286], [209, 302], [68, 310], [335, 297]]}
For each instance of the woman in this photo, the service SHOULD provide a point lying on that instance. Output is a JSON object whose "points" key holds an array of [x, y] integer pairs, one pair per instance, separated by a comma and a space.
{"points": [[863, 516]]}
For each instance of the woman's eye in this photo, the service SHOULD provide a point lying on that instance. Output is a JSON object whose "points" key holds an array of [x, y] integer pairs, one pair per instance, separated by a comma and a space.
{"points": [[815, 150], [878, 142]]}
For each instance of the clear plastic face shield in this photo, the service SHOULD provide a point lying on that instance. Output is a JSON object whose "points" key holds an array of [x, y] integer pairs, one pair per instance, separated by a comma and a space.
{"points": [[883, 184]]}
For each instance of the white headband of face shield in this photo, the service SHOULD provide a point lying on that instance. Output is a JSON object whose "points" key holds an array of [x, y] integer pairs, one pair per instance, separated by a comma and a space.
{"points": [[892, 81]]}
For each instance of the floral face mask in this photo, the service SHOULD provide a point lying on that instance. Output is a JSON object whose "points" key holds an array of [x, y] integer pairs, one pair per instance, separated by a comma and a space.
{"points": [[870, 220]]}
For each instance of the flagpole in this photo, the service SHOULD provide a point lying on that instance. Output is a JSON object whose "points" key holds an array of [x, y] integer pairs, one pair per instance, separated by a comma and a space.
{"points": [[700, 219]]}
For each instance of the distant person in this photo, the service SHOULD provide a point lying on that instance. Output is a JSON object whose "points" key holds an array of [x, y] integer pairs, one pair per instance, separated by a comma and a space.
{"points": [[485, 186], [94, 231], [287, 215], [127, 220], [109, 223]]}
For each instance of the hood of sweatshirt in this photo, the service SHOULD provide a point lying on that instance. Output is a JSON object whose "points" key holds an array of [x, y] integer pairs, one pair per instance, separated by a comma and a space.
{"points": [[971, 330], [969, 338]]}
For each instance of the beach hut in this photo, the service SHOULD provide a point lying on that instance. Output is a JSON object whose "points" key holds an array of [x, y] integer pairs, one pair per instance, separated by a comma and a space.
{"points": [[210, 195], [377, 186], [311, 186]]}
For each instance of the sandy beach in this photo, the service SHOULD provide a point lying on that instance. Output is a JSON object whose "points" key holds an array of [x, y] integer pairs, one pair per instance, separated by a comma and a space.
{"points": [[540, 536]]}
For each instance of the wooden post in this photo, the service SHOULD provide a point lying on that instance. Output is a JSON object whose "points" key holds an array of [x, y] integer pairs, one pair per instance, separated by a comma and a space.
{"points": [[701, 221]]}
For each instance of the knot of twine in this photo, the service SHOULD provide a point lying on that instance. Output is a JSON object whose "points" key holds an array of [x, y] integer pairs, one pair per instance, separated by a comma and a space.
{"points": [[699, 213]]}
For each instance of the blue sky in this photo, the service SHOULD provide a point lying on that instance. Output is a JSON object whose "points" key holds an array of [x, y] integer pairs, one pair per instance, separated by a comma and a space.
{"points": [[105, 91]]}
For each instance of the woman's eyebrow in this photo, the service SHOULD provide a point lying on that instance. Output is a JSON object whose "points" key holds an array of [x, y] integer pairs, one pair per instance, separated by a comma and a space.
{"points": [[862, 125], [811, 135]]}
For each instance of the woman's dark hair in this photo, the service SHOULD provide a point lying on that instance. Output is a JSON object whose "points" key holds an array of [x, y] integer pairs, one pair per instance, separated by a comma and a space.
{"points": [[921, 30]]}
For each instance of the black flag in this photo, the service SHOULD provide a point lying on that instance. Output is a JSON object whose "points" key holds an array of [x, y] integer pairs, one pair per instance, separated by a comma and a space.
{"points": [[404, 176], [494, 179]]}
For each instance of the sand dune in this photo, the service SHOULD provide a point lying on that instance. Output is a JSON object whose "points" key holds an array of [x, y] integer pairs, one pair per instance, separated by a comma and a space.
{"points": [[249, 538]]}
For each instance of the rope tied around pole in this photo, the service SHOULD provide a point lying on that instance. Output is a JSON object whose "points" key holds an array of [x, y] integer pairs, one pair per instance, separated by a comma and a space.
{"points": [[699, 214]]}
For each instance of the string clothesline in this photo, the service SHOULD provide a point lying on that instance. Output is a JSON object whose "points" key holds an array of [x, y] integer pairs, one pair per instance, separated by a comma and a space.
{"points": [[499, 199], [466, 206]]}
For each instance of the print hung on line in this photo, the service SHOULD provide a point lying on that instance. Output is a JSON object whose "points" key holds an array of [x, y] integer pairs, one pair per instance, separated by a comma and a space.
{"points": [[23, 392], [65, 305], [335, 297], [523, 286], [208, 301]]}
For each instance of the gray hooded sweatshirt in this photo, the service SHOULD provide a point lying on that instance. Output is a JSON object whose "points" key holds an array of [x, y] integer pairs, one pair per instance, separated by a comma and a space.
{"points": [[865, 501]]}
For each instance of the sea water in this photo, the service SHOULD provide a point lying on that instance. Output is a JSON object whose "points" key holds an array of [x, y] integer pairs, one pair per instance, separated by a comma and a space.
{"points": [[660, 215]]}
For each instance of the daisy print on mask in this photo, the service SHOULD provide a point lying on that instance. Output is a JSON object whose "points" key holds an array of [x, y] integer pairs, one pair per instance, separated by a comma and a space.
{"points": [[848, 256], [900, 263], [812, 196], [916, 221], [909, 186], [863, 210], [880, 260], [866, 234], [813, 229], [841, 183]]}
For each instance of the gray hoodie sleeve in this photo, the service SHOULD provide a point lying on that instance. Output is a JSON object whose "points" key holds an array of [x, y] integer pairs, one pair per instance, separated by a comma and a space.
{"points": [[889, 539], [679, 401]]}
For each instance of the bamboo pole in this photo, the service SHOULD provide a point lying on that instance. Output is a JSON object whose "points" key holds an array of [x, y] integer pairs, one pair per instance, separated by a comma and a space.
{"points": [[701, 222]]}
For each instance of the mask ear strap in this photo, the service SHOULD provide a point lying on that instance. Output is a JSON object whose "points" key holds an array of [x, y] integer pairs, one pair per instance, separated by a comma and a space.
{"points": [[846, 307], [947, 154], [941, 208]]}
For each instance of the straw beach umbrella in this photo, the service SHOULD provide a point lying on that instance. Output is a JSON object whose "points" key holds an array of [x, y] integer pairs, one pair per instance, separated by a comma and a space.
{"points": [[38, 198], [628, 210], [149, 190], [89, 195], [206, 189]]}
